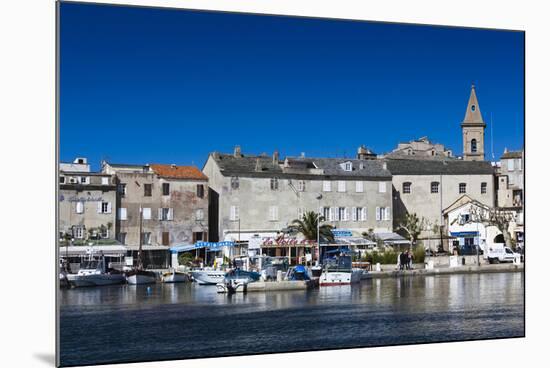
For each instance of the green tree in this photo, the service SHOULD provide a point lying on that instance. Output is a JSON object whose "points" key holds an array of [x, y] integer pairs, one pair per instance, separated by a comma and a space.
{"points": [[307, 226]]}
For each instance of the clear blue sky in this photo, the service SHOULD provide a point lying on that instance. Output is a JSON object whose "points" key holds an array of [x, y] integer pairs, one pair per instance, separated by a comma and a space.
{"points": [[145, 85]]}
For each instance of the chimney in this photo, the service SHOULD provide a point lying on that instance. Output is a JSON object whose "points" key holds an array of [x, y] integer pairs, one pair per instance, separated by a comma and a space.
{"points": [[385, 165], [173, 166], [258, 165], [275, 158], [237, 151]]}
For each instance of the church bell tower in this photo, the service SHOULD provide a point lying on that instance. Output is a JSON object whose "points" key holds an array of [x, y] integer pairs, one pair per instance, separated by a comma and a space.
{"points": [[473, 130]]}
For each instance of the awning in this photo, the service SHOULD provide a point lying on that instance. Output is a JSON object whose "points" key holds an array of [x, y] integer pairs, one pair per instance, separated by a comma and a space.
{"points": [[349, 241], [147, 247], [81, 250], [245, 236], [200, 245], [465, 234], [392, 238]]}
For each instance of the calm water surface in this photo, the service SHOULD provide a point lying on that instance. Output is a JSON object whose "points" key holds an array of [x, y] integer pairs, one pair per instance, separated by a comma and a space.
{"points": [[127, 323]]}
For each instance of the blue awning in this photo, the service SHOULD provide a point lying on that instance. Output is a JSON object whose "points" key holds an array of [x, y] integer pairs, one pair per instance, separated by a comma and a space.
{"points": [[465, 234], [200, 245]]}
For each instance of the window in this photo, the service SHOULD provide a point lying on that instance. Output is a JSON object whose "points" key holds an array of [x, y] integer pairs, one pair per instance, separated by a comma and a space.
{"points": [[147, 190], [62, 179], [122, 214], [518, 163], [473, 145], [104, 181], [342, 214], [198, 236], [462, 188], [510, 165], [326, 186], [234, 182], [274, 183], [165, 189], [359, 214], [234, 213], [122, 238], [359, 186], [146, 238], [301, 186], [464, 219], [273, 213], [104, 207], [166, 214], [199, 214], [79, 207], [382, 213], [326, 213], [382, 187], [483, 188], [434, 187], [146, 213], [406, 188], [341, 186], [473, 107], [348, 166], [78, 232], [121, 189], [83, 180], [200, 190]]}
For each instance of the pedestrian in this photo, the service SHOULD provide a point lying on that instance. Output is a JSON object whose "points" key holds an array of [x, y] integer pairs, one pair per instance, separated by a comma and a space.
{"points": [[410, 260], [399, 261], [403, 260]]}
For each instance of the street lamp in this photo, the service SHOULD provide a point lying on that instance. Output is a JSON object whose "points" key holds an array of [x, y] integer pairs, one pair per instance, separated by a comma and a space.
{"points": [[319, 197]]}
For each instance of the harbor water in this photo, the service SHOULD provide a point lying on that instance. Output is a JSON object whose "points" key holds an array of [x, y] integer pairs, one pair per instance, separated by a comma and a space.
{"points": [[126, 323]]}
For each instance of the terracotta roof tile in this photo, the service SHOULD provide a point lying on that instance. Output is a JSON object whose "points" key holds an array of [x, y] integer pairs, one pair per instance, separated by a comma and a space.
{"points": [[178, 172]]}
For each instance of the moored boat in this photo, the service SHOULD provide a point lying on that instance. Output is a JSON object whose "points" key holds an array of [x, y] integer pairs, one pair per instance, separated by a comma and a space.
{"points": [[174, 276], [338, 271], [95, 273], [208, 277], [140, 277]]}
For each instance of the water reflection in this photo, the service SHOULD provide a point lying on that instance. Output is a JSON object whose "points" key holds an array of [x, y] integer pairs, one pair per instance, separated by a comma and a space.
{"points": [[196, 321]]}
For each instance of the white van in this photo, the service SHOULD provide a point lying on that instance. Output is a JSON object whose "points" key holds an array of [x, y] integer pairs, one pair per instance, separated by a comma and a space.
{"points": [[497, 253]]}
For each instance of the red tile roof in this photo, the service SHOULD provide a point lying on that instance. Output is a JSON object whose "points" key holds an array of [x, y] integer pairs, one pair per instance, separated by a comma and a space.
{"points": [[178, 172]]}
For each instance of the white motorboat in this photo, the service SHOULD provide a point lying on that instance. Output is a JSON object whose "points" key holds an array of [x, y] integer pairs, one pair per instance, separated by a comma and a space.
{"points": [[338, 271], [94, 273], [174, 276], [208, 277]]}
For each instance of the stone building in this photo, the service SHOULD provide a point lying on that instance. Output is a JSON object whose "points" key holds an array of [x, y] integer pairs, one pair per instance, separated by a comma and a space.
{"points": [[510, 180], [87, 202], [173, 201], [261, 195], [421, 147]]}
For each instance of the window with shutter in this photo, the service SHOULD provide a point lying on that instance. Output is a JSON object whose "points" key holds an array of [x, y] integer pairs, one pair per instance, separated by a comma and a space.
{"points": [[377, 213], [341, 214], [146, 213], [331, 214], [387, 214], [382, 187], [105, 181], [109, 209], [165, 189], [359, 186], [354, 213], [326, 186], [79, 207], [511, 165], [364, 214], [170, 214]]}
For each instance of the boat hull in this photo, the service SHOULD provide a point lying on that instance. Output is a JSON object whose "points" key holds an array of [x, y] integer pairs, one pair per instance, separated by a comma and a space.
{"points": [[340, 278], [170, 278], [205, 277], [141, 277], [95, 280]]}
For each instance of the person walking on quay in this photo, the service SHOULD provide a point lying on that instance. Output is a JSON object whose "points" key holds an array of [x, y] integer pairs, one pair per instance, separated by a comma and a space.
{"points": [[410, 260], [399, 266], [403, 258]]}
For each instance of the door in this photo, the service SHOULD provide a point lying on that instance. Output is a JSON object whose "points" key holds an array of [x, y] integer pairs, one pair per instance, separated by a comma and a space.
{"points": [[165, 238]]}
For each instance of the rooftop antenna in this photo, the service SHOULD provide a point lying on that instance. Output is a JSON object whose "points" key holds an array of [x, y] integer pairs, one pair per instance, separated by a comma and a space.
{"points": [[492, 148]]}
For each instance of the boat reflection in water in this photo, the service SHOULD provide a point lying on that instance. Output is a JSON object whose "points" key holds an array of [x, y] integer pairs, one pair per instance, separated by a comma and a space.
{"points": [[338, 270]]}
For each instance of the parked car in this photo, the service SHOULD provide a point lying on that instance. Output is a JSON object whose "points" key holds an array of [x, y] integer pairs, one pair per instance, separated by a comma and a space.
{"points": [[498, 252]]}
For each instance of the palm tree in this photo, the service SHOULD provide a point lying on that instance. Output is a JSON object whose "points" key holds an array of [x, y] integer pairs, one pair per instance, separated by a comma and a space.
{"points": [[307, 226]]}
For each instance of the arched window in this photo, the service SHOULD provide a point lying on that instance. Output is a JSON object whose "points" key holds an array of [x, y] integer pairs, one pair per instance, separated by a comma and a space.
{"points": [[474, 146]]}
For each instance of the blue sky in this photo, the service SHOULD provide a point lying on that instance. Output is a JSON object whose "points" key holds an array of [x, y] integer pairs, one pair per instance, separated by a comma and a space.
{"points": [[145, 85]]}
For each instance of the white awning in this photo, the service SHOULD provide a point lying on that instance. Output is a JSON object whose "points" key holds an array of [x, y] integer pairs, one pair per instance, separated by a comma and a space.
{"points": [[107, 250], [392, 238], [148, 247], [246, 236]]}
